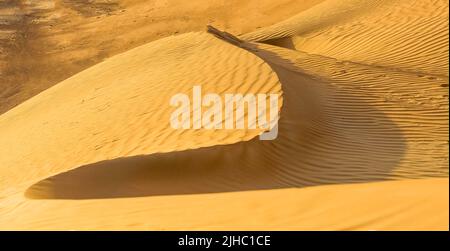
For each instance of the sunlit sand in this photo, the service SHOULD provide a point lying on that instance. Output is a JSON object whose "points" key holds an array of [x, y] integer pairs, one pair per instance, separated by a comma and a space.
{"points": [[86, 140]]}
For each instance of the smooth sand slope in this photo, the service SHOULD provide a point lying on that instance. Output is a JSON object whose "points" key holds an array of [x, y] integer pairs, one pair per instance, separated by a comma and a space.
{"points": [[362, 144]]}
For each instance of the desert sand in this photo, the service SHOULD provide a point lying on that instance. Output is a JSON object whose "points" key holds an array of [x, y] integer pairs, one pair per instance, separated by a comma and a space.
{"points": [[85, 139]]}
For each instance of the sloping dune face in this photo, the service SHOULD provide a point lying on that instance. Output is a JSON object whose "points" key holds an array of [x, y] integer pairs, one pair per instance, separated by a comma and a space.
{"points": [[362, 141]]}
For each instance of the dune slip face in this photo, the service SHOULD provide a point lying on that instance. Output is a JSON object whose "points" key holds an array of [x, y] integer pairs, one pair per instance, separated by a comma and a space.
{"points": [[362, 139], [409, 36]]}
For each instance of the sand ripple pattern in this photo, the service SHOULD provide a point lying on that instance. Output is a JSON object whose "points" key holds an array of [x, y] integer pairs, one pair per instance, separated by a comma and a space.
{"points": [[362, 144], [121, 107], [396, 34]]}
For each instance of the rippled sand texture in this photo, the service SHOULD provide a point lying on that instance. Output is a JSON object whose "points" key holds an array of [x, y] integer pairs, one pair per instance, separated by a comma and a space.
{"points": [[363, 129], [47, 41]]}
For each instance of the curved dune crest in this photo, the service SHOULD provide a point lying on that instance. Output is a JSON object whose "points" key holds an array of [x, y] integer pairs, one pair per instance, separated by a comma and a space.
{"points": [[406, 35]]}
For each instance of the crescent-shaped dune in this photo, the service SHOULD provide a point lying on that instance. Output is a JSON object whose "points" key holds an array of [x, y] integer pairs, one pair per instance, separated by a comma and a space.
{"points": [[362, 141], [121, 107]]}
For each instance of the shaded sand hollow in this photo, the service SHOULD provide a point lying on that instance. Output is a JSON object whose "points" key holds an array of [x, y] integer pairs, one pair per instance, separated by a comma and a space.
{"points": [[363, 128]]}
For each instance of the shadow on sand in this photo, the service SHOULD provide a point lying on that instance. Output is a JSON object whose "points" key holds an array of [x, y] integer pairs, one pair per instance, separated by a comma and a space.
{"points": [[317, 144]]}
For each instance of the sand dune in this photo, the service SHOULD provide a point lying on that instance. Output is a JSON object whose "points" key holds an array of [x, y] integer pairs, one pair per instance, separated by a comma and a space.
{"points": [[406, 32], [362, 143], [45, 42]]}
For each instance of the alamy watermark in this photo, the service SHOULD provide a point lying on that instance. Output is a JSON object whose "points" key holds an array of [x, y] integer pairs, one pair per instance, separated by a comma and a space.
{"points": [[232, 111]]}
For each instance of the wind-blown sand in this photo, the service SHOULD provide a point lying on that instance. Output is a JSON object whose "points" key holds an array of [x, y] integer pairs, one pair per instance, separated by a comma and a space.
{"points": [[363, 129]]}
